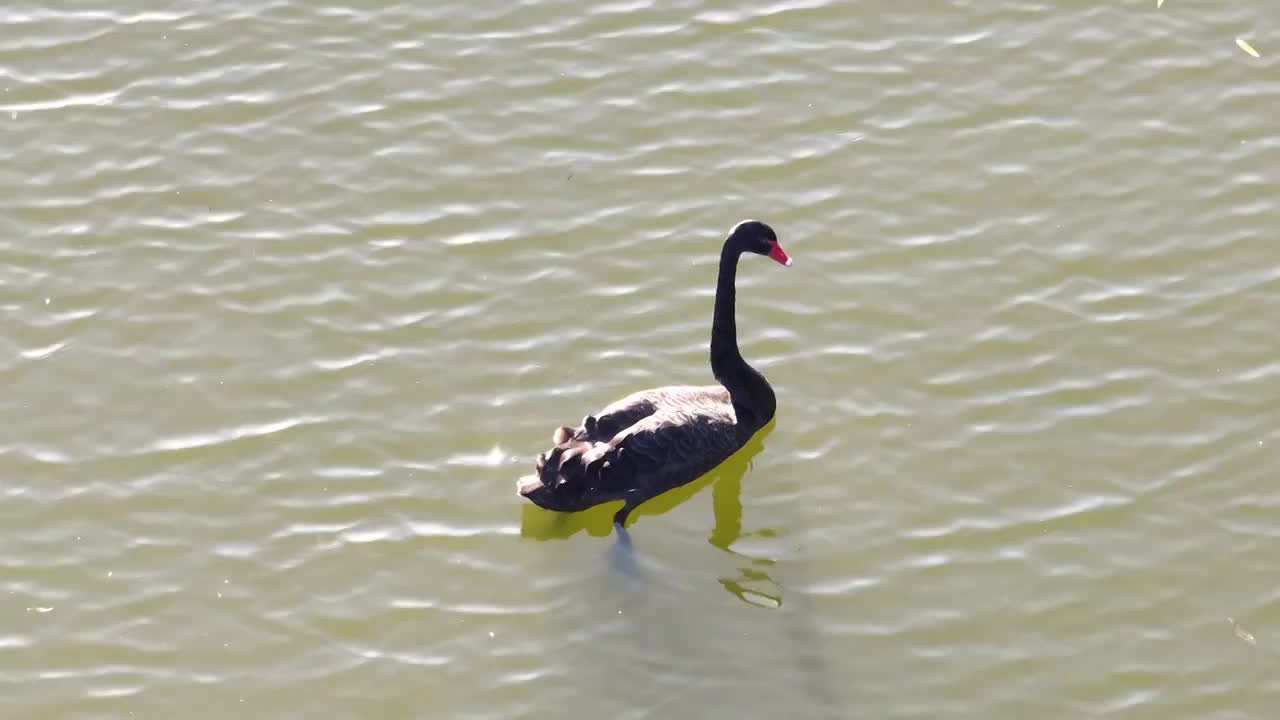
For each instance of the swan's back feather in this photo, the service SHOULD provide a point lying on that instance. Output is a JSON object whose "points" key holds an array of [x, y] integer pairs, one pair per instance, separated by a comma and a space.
{"points": [[622, 414], [637, 447]]}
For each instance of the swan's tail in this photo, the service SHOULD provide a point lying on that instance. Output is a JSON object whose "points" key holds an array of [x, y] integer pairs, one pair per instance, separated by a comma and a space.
{"points": [[572, 462], [528, 484]]}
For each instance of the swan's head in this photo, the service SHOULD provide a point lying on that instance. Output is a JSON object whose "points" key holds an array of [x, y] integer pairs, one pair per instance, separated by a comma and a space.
{"points": [[757, 237]]}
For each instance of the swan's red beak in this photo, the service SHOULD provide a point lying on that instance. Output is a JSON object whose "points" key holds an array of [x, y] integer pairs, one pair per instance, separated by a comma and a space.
{"points": [[777, 253]]}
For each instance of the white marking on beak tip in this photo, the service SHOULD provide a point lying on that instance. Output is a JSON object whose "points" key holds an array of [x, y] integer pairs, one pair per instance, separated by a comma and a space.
{"points": [[788, 263]]}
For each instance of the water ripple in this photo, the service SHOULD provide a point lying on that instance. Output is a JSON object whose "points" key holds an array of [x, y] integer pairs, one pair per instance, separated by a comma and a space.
{"points": [[287, 310]]}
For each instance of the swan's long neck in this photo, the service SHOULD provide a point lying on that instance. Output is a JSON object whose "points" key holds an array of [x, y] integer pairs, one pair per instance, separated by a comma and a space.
{"points": [[753, 399]]}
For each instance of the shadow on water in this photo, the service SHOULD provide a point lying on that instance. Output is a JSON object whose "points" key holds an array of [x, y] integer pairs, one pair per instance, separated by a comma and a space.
{"points": [[753, 584], [726, 479]]}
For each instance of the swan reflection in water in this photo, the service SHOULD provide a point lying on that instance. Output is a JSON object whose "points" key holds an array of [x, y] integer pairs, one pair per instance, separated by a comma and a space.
{"points": [[752, 585]]}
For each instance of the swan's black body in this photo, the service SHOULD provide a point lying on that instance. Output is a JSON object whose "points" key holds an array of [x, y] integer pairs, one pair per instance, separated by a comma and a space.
{"points": [[655, 440]]}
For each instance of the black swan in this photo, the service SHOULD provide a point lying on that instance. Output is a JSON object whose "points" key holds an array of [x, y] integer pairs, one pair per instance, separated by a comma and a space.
{"points": [[652, 441]]}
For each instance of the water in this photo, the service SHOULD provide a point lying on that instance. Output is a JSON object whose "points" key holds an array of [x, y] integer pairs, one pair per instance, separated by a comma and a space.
{"points": [[293, 293]]}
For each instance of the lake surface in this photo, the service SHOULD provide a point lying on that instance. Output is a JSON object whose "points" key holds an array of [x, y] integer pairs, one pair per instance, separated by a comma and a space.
{"points": [[293, 293]]}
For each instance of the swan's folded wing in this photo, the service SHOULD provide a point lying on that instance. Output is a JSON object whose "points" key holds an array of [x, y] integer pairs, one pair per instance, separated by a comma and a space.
{"points": [[672, 445], [621, 414], [677, 444]]}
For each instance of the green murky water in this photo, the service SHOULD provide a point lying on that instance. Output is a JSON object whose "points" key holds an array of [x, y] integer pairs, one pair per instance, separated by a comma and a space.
{"points": [[293, 293]]}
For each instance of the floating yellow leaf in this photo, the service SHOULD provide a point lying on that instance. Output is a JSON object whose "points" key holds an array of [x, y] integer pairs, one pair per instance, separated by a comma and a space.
{"points": [[1245, 46]]}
